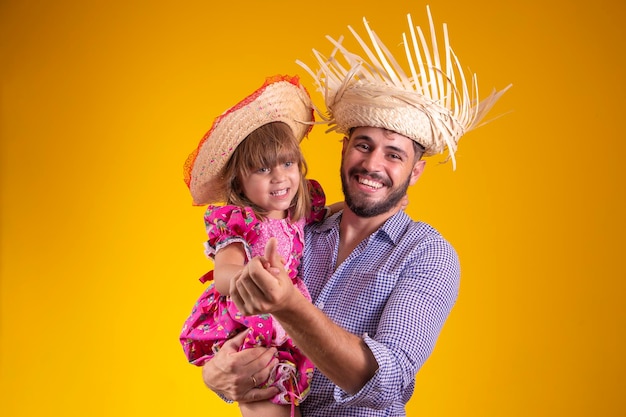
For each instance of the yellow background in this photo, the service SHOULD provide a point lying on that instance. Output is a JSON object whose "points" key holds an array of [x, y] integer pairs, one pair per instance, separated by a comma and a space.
{"points": [[100, 246]]}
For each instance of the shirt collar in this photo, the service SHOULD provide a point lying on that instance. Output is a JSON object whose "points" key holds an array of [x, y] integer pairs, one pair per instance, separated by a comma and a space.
{"points": [[393, 228]]}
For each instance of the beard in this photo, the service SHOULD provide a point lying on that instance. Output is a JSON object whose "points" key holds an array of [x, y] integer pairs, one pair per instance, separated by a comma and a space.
{"points": [[364, 207]]}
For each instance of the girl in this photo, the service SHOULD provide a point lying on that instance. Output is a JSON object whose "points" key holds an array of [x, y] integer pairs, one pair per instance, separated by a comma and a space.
{"points": [[261, 177]]}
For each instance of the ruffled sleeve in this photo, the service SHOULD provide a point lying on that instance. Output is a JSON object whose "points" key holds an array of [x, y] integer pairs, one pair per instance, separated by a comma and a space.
{"points": [[230, 224], [318, 202]]}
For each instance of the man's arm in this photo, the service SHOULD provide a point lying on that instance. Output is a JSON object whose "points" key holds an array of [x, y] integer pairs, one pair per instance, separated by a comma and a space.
{"points": [[342, 356]]}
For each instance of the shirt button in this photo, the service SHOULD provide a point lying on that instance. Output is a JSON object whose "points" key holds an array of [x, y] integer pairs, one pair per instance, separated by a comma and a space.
{"points": [[320, 305]]}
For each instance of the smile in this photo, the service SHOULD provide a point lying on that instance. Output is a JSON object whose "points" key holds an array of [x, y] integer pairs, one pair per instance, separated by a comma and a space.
{"points": [[370, 183], [279, 193]]}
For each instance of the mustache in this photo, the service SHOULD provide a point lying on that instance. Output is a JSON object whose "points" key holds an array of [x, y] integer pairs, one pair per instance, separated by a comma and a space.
{"points": [[373, 175]]}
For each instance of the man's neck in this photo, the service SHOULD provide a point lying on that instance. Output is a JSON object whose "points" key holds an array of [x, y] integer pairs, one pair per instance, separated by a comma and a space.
{"points": [[354, 229]]}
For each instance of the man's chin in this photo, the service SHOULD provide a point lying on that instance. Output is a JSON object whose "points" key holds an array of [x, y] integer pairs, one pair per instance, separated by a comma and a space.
{"points": [[369, 210]]}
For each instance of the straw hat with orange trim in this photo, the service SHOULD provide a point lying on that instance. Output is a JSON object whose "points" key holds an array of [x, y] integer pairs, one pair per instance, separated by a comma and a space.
{"points": [[279, 99]]}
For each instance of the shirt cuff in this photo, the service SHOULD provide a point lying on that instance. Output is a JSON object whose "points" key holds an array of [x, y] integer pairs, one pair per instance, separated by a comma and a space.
{"points": [[377, 392]]}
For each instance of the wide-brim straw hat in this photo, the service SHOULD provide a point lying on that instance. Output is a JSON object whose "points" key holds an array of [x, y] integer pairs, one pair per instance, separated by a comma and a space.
{"points": [[279, 99], [428, 100]]}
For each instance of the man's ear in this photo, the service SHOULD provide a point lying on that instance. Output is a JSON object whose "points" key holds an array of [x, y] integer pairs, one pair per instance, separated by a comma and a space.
{"points": [[344, 144], [417, 170]]}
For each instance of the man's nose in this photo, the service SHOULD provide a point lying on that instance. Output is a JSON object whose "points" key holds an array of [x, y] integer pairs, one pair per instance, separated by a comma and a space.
{"points": [[372, 161]]}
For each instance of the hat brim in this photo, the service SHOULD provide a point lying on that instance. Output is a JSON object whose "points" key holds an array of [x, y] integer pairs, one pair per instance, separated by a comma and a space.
{"points": [[280, 99]]}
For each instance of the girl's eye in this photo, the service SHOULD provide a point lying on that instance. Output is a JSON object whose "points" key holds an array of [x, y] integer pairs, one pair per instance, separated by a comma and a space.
{"points": [[288, 164], [263, 170]]}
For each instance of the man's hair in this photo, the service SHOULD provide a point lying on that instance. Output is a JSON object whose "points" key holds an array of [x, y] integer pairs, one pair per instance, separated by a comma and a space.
{"points": [[419, 150], [269, 145]]}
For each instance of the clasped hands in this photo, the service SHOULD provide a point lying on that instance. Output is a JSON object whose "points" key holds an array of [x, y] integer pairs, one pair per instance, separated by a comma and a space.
{"points": [[263, 285]]}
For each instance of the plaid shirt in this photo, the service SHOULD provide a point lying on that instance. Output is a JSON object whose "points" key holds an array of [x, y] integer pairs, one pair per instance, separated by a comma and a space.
{"points": [[395, 289]]}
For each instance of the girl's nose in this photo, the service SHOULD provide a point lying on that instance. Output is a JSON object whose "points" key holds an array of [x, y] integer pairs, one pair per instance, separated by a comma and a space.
{"points": [[278, 174]]}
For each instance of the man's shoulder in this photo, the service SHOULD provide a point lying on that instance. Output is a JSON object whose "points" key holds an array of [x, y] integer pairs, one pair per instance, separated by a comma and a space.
{"points": [[402, 226], [419, 237]]}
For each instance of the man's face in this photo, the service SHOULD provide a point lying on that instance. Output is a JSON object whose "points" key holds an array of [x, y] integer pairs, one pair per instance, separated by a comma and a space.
{"points": [[377, 167]]}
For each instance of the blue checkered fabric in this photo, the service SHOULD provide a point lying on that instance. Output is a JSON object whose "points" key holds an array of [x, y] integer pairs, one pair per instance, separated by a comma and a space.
{"points": [[396, 289]]}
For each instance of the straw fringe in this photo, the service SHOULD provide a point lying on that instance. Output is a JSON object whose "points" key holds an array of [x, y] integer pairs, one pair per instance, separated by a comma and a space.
{"points": [[435, 92]]}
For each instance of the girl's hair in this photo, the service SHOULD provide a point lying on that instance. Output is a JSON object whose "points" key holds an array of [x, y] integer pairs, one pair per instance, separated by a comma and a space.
{"points": [[269, 145]]}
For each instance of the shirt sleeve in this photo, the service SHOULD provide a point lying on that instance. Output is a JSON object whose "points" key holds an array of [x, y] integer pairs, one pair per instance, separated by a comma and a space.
{"points": [[409, 326], [230, 224]]}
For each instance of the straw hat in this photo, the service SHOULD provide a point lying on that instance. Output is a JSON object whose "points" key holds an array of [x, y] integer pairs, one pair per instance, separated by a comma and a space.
{"points": [[279, 99], [430, 102]]}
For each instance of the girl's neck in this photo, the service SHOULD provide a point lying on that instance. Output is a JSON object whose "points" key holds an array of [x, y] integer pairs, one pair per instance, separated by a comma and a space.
{"points": [[277, 214]]}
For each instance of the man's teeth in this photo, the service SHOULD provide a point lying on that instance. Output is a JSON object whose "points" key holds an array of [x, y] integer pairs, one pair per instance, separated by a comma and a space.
{"points": [[370, 183], [279, 193]]}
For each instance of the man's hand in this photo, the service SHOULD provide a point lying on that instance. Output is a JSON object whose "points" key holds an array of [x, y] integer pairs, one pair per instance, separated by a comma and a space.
{"points": [[237, 375], [263, 285]]}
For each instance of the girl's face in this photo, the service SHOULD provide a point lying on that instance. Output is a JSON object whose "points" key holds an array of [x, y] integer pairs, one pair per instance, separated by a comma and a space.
{"points": [[273, 188]]}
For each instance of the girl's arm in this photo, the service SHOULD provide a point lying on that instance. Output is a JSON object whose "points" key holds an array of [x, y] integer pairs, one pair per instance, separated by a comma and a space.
{"points": [[229, 262]]}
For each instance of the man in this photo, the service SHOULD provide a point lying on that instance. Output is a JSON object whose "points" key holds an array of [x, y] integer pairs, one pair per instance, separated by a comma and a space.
{"points": [[382, 285]]}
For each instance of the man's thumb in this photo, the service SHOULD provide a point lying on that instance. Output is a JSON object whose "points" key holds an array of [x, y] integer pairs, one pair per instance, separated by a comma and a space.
{"points": [[271, 254]]}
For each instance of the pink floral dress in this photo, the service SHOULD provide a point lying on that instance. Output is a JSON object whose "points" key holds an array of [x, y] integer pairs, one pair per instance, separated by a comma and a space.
{"points": [[215, 318]]}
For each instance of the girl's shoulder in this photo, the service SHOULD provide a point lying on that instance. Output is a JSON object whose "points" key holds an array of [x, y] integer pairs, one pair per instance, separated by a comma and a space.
{"points": [[231, 221], [229, 224], [318, 202], [230, 214], [315, 188]]}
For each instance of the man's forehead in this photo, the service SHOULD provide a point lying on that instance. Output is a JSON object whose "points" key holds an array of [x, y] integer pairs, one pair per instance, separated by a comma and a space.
{"points": [[373, 133]]}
